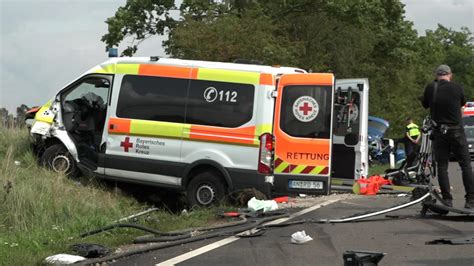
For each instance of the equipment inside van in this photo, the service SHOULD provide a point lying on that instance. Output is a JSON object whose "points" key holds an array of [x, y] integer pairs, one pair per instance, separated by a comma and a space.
{"points": [[207, 128]]}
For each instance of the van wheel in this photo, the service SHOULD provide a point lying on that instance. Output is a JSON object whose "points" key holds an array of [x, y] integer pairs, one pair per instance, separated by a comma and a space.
{"points": [[57, 158], [205, 189]]}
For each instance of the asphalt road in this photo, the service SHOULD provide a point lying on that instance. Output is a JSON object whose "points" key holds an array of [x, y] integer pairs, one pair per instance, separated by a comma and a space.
{"points": [[402, 238]]}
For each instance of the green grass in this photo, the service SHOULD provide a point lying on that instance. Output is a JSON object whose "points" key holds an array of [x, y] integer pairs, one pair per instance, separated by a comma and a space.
{"points": [[378, 169], [43, 213]]}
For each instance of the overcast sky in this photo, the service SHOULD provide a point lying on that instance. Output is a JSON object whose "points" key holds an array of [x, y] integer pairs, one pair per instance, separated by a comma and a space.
{"points": [[45, 44]]}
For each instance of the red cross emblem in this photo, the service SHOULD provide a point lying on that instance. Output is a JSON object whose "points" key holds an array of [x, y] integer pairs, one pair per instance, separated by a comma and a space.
{"points": [[126, 144], [306, 108]]}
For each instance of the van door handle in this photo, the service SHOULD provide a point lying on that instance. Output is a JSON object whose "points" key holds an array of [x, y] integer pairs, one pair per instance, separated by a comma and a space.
{"points": [[111, 126]]}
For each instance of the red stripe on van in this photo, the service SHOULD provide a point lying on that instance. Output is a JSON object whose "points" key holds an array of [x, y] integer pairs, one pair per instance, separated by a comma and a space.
{"points": [[325, 171], [278, 161], [244, 135], [308, 169], [287, 169], [167, 71]]}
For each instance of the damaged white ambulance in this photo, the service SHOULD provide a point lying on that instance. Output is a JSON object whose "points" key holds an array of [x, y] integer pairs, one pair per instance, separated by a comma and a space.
{"points": [[207, 128]]}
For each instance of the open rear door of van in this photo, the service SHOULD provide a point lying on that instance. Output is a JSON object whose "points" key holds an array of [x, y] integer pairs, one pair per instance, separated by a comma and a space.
{"points": [[302, 132], [351, 112]]}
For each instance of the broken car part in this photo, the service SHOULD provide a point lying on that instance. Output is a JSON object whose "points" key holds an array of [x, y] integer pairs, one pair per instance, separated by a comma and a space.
{"points": [[358, 258], [90, 250], [452, 241]]}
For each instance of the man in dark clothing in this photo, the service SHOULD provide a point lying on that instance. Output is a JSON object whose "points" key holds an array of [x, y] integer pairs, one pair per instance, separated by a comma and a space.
{"points": [[445, 100]]}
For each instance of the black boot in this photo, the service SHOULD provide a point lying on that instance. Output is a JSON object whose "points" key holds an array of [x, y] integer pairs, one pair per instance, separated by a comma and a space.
{"points": [[469, 203], [448, 202]]}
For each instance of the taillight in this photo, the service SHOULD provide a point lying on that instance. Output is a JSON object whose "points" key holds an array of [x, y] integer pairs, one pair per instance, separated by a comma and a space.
{"points": [[265, 155]]}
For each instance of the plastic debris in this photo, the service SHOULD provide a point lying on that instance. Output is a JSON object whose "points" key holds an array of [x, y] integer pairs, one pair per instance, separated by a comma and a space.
{"points": [[300, 237], [369, 186], [90, 250], [63, 259], [281, 199], [266, 205], [402, 195], [17, 163]]}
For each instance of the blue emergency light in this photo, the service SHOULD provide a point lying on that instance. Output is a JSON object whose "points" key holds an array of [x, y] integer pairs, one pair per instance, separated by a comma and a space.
{"points": [[113, 52]]}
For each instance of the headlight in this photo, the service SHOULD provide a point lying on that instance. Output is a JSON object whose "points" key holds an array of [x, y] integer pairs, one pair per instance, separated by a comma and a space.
{"points": [[470, 145]]}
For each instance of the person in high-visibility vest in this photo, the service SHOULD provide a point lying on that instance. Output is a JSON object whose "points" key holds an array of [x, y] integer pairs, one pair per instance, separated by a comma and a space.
{"points": [[412, 135]]}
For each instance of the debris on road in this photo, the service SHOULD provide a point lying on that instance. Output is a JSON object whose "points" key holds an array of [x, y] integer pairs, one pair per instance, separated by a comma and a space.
{"points": [[356, 258], [138, 215], [370, 185], [63, 259], [283, 199], [452, 241], [300, 237], [90, 250], [265, 205]]}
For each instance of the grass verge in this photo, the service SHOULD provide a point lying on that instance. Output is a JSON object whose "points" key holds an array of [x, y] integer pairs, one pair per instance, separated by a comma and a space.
{"points": [[43, 213], [378, 169]]}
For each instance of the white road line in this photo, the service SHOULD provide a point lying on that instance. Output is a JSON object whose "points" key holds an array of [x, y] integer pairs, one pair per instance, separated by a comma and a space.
{"points": [[223, 242]]}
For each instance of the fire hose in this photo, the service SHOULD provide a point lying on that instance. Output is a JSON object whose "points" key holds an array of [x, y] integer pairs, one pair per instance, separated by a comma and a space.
{"points": [[251, 224], [372, 214]]}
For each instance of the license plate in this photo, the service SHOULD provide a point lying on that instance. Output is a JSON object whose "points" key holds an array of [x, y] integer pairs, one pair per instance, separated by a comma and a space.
{"points": [[305, 184]]}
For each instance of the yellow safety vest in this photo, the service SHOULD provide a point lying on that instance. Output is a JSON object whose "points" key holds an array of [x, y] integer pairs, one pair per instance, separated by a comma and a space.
{"points": [[413, 130]]}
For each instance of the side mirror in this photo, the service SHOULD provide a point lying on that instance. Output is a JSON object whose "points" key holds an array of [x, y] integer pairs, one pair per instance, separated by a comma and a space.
{"points": [[351, 139], [103, 83]]}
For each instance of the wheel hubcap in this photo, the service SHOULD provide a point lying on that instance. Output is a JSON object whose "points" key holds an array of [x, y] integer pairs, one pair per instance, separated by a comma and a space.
{"points": [[61, 163], [205, 194]]}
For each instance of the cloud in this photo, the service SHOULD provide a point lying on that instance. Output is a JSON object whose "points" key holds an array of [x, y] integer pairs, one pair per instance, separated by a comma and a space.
{"points": [[46, 45], [426, 14]]}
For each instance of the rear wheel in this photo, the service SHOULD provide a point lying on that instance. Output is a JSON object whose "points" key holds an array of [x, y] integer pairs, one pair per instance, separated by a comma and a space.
{"points": [[57, 158], [205, 189]]}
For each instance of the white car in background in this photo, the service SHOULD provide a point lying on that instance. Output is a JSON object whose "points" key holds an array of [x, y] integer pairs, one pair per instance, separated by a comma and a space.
{"points": [[468, 122]]}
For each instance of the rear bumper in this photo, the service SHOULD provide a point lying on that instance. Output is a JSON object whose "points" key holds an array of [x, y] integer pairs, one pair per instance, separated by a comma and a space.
{"points": [[281, 185]]}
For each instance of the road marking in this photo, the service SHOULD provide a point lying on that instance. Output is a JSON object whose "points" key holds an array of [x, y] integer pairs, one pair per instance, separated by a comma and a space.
{"points": [[228, 240]]}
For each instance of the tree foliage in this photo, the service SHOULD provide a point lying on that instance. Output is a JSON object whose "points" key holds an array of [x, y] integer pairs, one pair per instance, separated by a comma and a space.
{"points": [[351, 38]]}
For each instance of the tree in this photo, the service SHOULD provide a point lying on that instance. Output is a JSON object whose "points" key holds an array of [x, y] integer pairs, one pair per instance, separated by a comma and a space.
{"points": [[138, 20], [349, 38], [3, 117], [20, 115], [228, 37], [454, 48]]}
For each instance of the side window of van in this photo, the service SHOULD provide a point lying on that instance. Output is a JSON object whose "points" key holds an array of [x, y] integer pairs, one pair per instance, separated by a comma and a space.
{"points": [[221, 104], [152, 98]]}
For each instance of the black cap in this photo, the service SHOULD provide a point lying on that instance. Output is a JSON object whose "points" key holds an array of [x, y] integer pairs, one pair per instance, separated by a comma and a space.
{"points": [[443, 70]]}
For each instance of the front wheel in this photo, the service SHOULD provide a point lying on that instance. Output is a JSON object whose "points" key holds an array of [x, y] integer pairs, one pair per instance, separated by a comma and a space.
{"points": [[57, 158], [205, 189]]}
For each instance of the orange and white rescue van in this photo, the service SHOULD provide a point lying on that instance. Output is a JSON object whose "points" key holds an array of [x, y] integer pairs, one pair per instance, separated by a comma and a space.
{"points": [[207, 128]]}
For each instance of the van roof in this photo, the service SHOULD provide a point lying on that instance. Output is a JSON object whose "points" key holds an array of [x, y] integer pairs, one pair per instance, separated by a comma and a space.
{"points": [[201, 64]]}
